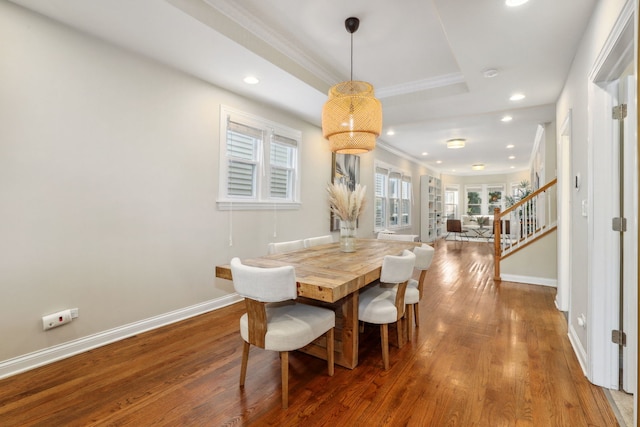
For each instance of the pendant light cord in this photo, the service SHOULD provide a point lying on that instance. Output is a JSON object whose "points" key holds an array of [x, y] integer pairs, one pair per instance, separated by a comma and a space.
{"points": [[351, 56]]}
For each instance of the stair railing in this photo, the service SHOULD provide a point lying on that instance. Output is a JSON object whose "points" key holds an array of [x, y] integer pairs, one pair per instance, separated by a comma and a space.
{"points": [[521, 224]]}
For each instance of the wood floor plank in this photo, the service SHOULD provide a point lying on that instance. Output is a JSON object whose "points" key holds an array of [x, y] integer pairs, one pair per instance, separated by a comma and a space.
{"points": [[485, 354]]}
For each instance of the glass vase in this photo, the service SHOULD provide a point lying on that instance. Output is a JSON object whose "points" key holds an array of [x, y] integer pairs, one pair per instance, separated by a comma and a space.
{"points": [[347, 236]]}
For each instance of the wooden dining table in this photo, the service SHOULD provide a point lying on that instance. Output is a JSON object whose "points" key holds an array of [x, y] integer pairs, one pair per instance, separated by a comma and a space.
{"points": [[328, 277]]}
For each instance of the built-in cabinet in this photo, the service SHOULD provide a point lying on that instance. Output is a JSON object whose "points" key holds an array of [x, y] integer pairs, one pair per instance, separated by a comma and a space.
{"points": [[431, 215]]}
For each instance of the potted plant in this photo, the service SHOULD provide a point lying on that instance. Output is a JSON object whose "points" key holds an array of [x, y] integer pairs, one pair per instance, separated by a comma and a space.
{"points": [[525, 212], [522, 191]]}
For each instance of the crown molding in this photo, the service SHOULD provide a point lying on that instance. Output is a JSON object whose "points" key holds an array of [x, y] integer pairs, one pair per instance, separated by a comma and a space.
{"points": [[420, 85], [278, 40], [388, 148]]}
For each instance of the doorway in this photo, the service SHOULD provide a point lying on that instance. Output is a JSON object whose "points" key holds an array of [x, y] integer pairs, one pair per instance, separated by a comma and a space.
{"points": [[564, 215]]}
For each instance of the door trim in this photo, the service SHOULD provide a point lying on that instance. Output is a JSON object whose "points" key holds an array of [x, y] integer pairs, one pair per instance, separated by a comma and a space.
{"points": [[602, 362]]}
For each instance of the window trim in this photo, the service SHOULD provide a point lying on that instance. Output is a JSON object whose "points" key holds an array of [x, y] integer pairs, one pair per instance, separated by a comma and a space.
{"points": [[502, 203], [262, 199], [452, 188], [475, 188], [483, 190]]}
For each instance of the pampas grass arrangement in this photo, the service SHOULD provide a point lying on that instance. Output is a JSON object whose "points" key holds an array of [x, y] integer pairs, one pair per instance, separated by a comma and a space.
{"points": [[345, 204]]}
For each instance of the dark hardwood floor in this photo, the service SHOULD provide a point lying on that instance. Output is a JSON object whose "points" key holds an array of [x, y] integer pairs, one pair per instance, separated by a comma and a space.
{"points": [[485, 354]]}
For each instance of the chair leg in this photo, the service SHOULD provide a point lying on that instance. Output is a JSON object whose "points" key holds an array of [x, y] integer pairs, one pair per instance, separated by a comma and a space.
{"points": [[284, 368], [401, 328], [384, 338], [409, 321], [245, 359], [416, 312], [330, 351]]}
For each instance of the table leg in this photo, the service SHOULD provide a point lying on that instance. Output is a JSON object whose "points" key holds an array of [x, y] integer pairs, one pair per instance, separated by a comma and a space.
{"points": [[349, 333], [345, 332]]}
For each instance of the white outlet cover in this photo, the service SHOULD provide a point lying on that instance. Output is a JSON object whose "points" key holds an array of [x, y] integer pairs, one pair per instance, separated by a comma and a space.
{"points": [[56, 319]]}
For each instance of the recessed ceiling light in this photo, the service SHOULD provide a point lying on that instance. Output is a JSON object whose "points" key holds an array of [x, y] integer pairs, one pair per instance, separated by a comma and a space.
{"points": [[477, 166], [391, 132], [512, 157], [513, 167], [510, 146], [456, 143], [425, 154], [506, 119], [251, 80], [439, 161], [514, 3], [489, 73], [516, 97]]}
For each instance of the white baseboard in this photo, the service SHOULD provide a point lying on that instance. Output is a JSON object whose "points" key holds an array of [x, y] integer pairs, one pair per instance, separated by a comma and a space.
{"points": [[52, 354], [530, 280], [578, 349]]}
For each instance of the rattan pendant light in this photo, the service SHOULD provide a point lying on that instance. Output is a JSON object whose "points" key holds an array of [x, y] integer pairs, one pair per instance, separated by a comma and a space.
{"points": [[352, 116]]}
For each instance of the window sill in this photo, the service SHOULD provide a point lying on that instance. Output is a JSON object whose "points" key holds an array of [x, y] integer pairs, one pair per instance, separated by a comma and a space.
{"points": [[239, 205]]}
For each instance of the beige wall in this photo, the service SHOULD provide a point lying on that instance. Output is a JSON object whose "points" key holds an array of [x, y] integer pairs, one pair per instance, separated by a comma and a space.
{"points": [[545, 267]]}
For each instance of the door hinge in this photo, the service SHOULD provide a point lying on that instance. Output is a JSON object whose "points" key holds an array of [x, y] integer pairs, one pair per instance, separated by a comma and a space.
{"points": [[619, 337], [619, 224], [620, 112]]}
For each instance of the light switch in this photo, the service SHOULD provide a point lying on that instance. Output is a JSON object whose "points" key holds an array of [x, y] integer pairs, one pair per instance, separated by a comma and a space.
{"points": [[585, 207]]}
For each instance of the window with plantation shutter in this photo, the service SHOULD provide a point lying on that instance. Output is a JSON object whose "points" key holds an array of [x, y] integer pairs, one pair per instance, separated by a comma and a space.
{"points": [[242, 154], [392, 203], [282, 163], [380, 202], [394, 199], [405, 196], [258, 163]]}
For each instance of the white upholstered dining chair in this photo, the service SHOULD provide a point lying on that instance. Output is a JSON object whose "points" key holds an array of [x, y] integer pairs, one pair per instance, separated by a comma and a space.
{"points": [[413, 295], [274, 321], [384, 305], [320, 240], [280, 247]]}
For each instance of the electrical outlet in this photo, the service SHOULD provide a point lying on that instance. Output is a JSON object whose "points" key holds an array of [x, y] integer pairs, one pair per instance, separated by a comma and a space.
{"points": [[56, 319], [582, 321]]}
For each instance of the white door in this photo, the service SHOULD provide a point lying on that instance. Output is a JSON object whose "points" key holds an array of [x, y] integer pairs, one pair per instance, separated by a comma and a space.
{"points": [[612, 256], [629, 269]]}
